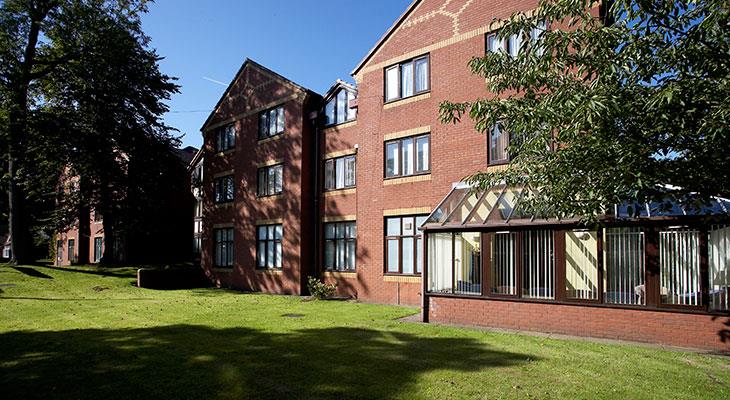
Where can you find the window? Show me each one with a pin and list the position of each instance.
(98, 247)
(270, 180)
(719, 260)
(403, 245)
(502, 266)
(498, 144)
(338, 109)
(59, 251)
(223, 189)
(271, 122)
(340, 240)
(581, 265)
(268, 246)
(407, 79)
(455, 263)
(624, 266)
(223, 247)
(6, 251)
(408, 156)
(225, 138)
(513, 44)
(339, 173)
(538, 264)
(679, 266)
(72, 250)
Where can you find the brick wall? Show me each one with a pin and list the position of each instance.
(668, 328)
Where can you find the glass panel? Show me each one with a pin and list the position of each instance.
(679, 261)
(408, 228)
(419, 255)
(393, 255)
(502, 264)
(270, 254)
(329, 112)
(329, 174)
(261, 255)
(340, 173)
(467, 263)
(538, 266)
(392, 166)
(419, 221)
(461, 212)
(270, 232)
(485, 206)
(279, 255)
(392, 91)
(340, 254)
(280, 120)
(422, 75)
(508, 201)
(351, 111)
(407, 79)
(341, 106)
(719, 259)
(229, 188)
(444, 209)
(351, 255)
(393, 226)
(422, 156)
(261, 233)
(514, 45)
(495, 45)
(278, 232)
(329, 231)
(350, 171)
(263, 125)
(329, 254)
(624, 263)
(272, 122)
(498, 143)
(440, 259)
(279, 183)
(408, 255)
(351, 230)
(407, 156)
(581, 265)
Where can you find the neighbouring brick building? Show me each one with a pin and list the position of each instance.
(362, 187)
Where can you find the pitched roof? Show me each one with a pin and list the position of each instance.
(385, 37)
(245, 64)
(337, 85)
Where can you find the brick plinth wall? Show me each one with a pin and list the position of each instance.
(667, 328)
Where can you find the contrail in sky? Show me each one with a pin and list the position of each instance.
(214, 81)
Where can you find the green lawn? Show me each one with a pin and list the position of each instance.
(84, 333)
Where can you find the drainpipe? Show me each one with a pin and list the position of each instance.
(314, 119)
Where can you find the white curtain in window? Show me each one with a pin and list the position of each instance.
(408, 255)
(467, 263)
(498, 143)
(679, 261)
(340, 173)
(329, 174)
(515, 44)
(422, 75)
(341, 106)
(351, 112)
(407, 80)
(350, 171)
(393, 255)
(538, 264)
(719, 260)
(280, 120)
(624, 263)
(407, 156)
(392, 164)
(391, 84)
(439, 263)
(422, 162)
(279, 171)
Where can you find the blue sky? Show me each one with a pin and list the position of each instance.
(310, 42)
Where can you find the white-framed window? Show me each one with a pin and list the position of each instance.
(269, 251)
(340, 245)
(339, 173)
(272, 122)
(408, 78)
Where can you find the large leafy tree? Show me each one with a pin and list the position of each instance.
(83, 93)
(630, 101)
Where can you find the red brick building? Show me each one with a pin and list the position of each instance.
(352, 187)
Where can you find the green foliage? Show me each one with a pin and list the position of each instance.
(628, 106)
(319, 289)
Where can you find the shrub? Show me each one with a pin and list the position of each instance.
(319, 289)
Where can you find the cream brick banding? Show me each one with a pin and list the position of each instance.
(270, 198)
(407, 132)
(224, 173)
(272, 139)
(271, 162)
(270, 221)
(340, 153)
(270, 271)
(339, 274)
(407, 100)
(337, 128)
(406, 211)
(341, 192)
(402, 279)
(407, 179)
(225, 225)
(340, 218)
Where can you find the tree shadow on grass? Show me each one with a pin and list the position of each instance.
(32, 272)
(187, 361)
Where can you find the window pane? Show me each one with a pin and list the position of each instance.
(329, 111)
(408, 255)
(329, 231)
(514, 44)
(329, 174)
(263, 125)
(280, 120)
(350, 255)
(340, 173)
(679, 262)
(538, 266)
(420, 220)
(581, 265)
(272, 122)
(351, 112)
(262, 182)
(279, 173)
(231, 136)
(270, 254)
(624, 263)
(392, 167)
(350, 171)
(440, 257)
(279, 255)
(407, 80)
(502, 264)
(261, 233)
(719, 259)
(422, 148)
(422, 75)
(467, 263)
(419, 255)
(230, 190)
(393, 226)
(340, 254)
(498, 142)
(271, 178)
(393, 255)
(351, 230)
(408, 226)
(391, 84)
(341, 106)
(278, 232)
(408, 156)
(329, 254)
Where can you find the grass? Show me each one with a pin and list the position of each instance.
(85, 333)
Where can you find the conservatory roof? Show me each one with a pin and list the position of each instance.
(503, 206)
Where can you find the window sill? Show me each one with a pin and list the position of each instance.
(271, 138)
(339, 192)
(407, 100)
(341, 274)
(222, 269)
(338, 127)
(223, 205)
(402, 278)
(407, 179)
(270, 198)
(498, 167)
(225, 152)
(270, 271)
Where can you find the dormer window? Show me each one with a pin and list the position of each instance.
(338, 110)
